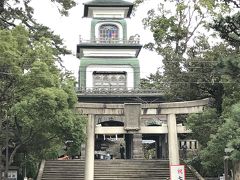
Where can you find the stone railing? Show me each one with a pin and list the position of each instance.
(133, 40)
(190, 144)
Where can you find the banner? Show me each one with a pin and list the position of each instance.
(177, 172)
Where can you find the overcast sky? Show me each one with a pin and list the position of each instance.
(69, 28)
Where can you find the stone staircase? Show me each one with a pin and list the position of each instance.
(110, 170)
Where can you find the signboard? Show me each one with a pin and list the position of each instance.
(177, 172)
(132, 113)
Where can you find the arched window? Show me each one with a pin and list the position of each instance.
(108, 32)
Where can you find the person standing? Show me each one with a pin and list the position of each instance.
(122, 151)
(184, 151)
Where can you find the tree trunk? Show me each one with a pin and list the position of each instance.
(2, 6)
(1, 141)
(7, 150)
(1, 161)
(236, 170)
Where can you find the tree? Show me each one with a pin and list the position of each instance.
(176, 33)
(228, 27)
(14, 12)
(234, 2)
(228, 133)
(195, 68)
(203, 70)
(27, 55)
(222, 127)
(204, 125)
(39, 98)
(227, 136)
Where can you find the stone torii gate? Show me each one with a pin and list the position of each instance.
(133, 114)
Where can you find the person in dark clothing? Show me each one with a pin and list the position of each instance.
(184, 151)
(122, 151)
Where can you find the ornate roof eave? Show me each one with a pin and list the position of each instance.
(140, 96)
(80, 46)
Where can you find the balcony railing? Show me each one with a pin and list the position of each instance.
(133, 40)
(108, 91)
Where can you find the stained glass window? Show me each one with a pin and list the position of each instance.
(108, 32)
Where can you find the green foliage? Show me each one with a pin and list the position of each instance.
(204, 65)
(220, 132)
(226, 136)
(233, 141)
(234, 2)
(173, 29)
(12, 10)
(154, 81)
(204, 125)
(228, 27)
(231, 75)
(65, 5)
(38, 97)
(13, 13)
(198, 66)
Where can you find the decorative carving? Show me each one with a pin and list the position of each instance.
(101, 118)
(109, 80)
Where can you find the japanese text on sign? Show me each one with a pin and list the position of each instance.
(177, 172)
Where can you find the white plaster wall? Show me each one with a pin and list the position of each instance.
(110, 68)
(109, 52)
(104, 12)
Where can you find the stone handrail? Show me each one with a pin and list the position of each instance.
(40, 172)
(194, 171)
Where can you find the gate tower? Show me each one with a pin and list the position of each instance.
(109, 67)
(109, 93)
(118, 111)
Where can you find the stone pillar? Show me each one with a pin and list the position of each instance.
(173, 140)
(226, 158)
(188, 144)
(128, 143)
(89, 159)
(164, 147)
(137, 147)
(83, 151)
(236, 169)
(158, 148)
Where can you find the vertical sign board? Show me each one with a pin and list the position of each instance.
(177, 172)
(132, 112)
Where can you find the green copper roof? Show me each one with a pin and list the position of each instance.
(109, 3)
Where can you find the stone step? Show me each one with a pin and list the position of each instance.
(110, 170)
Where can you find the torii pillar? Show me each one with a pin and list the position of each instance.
(173, 140)
(89, 153)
